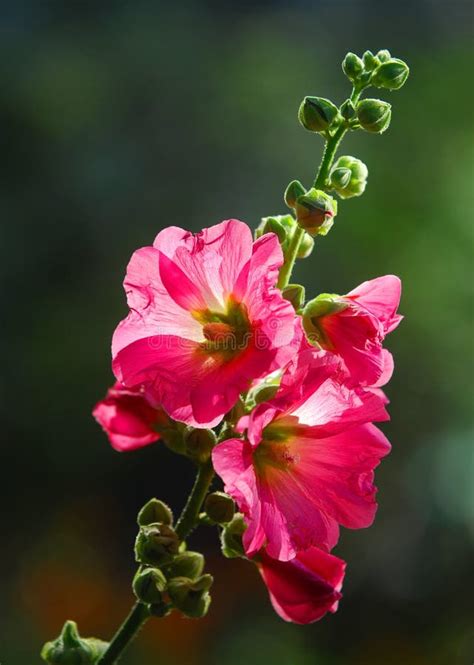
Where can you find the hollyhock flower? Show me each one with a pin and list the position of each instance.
(355, 325)
(205, 319)
(304, 589)
(307, 462)
(129, 418)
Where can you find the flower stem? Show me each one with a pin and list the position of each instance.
(190, 515)
(125, 634)
(290, 258)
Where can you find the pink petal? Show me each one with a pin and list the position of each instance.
(381, 297)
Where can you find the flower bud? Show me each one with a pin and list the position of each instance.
(293, 191)
(156, 544)
(160, 609)
(155, 511)
(374, 115)
(148, 585)
(72, 649)
(295, 294)
(231, 537)
(383, 55)
(220, 508)
(348, 177)
(186, 564)
(370, 61)
(316, 114)
(347, 110)
(306, 247)
(199, 443)
(352, 66)
(391, 74)
(315, 211)
(191, 597)
(322, 305)
(271, 225)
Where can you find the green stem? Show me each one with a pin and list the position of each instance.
(290, 258)
(190, 515)
(125, 634)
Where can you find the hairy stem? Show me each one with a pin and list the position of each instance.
(125, 634)
(290, 258)
(189, 516)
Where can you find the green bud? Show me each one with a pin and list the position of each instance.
(347, 110)
(323, 305)
(155, 511)
(352, 66)
(315, 212)
(293, 191)
(294, 293)
(370, 61)
(220, 508)
(265, 393)
(306, 247)
(348, 177)
(186, 564)
(374, 115)
(271, 225)
(316, 114)
(391, 74)
(148, 585)
(199, 443)
(72, 649)
(383, 55)
(191, 597)
(231, 537)
(156, 544)
(160, 609)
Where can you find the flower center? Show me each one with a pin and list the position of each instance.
(276, 449)
(226, 333)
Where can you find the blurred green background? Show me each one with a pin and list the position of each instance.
(119, 118)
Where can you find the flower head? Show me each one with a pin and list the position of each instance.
(205, 319)
(304, 589)
(307, 462)
(128, 417)
(354, 327)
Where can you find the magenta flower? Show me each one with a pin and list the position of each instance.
(307, 463)
(354, 327)
(304, 589)
(128, 417)
(205, 320)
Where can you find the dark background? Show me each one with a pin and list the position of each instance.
(119, 118)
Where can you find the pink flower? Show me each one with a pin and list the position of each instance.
(205, 320)
(128, 417)
(307, 462)
(354, 327)
(304, 589)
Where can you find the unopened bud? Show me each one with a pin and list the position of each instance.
(347, 110)
(352, 66)
(383, 55)
(348, 177)
(219, 507)
(316, 114)
(148, 585)
(391, 74)
(315, 212)
(191, 597)
(370, 61)
(156, 544)
(155, 511)
(186, 564)
(199, 443)
(231, 537)
(295, 294)
(374, 115)
(306, 247)
(293, 191)
(72, 649)
(271, 225)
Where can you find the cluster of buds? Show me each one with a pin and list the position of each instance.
(169, 576)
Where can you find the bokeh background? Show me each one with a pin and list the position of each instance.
(118, 118)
